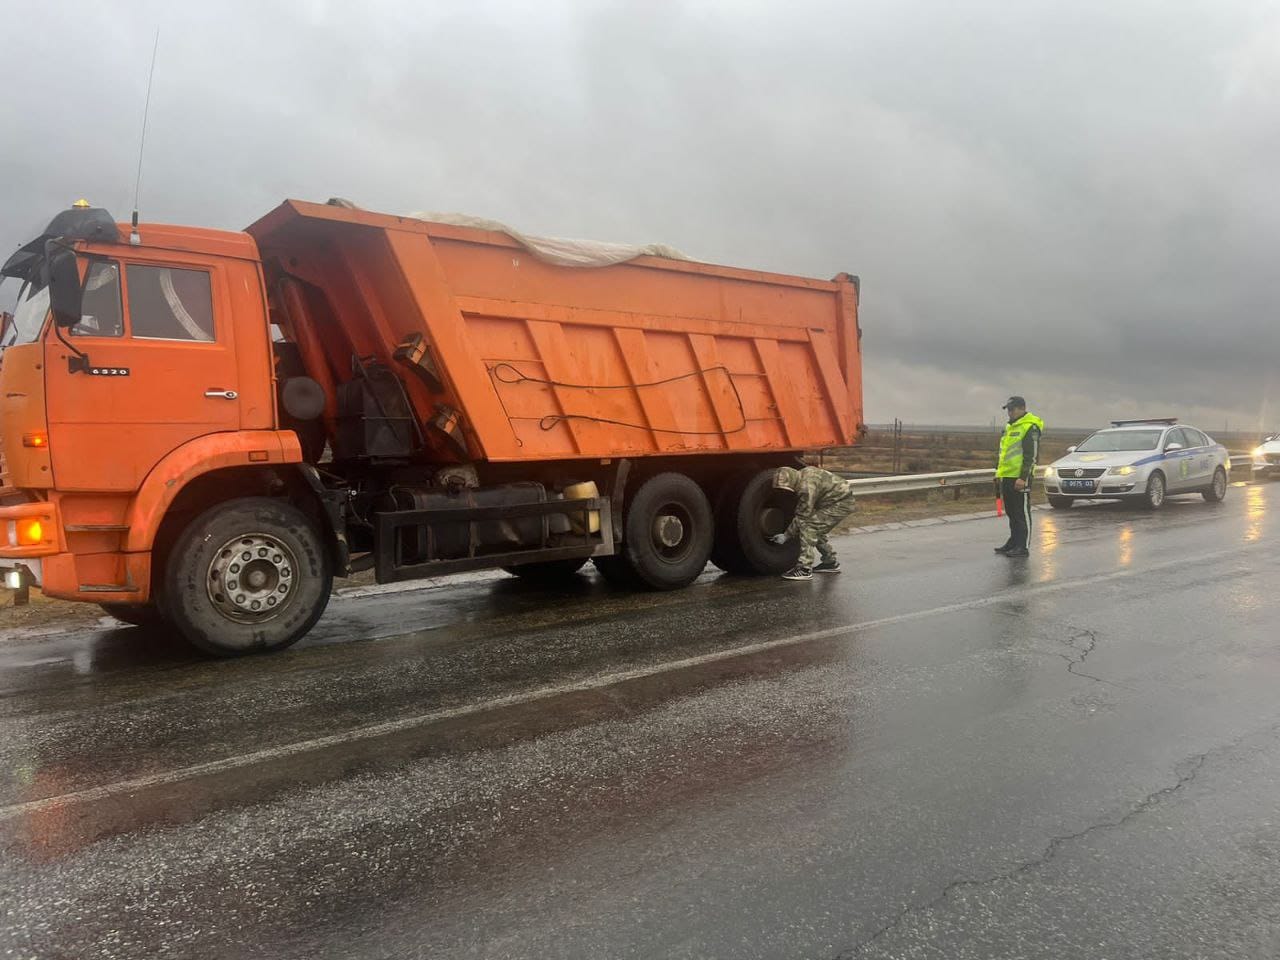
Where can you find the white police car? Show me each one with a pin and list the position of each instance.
(1266, 457)
(1146, 460)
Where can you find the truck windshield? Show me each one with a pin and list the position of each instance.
(1112, 441)
(28, 318)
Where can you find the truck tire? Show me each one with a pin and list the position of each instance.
(750, 511)
(549, 572)
(668, 532)
(247, 576)
(135, 614)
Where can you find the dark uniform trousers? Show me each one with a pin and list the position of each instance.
(1017, 505)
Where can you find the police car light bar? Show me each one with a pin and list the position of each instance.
(1128, 423)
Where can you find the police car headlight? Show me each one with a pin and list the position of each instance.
(1050, 473)
(1121, 471)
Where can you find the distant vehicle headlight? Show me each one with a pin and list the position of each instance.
(1258, 451)
(1121, 471)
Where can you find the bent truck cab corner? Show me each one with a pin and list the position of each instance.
(202, 428)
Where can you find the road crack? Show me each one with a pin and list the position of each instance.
(1185, 771)
(1082, 643)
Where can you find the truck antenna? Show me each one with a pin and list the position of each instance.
(142, 142)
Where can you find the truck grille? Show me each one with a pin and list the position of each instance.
(1080, 473)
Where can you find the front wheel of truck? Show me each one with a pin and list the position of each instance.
(247, 576)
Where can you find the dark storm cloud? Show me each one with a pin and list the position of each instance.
(1073, 201)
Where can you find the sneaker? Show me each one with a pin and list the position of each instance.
(798, 573)
(827, 566)
(1018, 552)
(1004, 548)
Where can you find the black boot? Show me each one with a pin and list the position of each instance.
(1005, 547)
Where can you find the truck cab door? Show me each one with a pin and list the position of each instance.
(161, 371)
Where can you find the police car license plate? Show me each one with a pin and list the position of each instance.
(1078, 485)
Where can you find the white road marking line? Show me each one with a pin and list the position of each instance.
(598, 682)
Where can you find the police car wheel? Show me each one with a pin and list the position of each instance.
(1218, 489)
(1154, 498)
(1061, 503)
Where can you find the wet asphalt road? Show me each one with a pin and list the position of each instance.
(940, 753)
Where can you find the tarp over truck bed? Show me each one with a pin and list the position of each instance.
(647, 357)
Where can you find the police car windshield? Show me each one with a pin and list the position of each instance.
(1113, 441)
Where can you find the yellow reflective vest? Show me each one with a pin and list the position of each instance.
(1010, 464)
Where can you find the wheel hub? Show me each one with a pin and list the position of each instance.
(773, 521)
(251, 578)
(668, 530)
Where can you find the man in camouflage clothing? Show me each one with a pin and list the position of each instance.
(822, 501)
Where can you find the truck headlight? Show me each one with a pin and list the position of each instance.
(1121, 471)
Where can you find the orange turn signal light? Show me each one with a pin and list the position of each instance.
(35, 440)
(30, 532)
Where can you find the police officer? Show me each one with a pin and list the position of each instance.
(822, 501)
(1019, 447)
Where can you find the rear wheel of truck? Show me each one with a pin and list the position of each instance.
(668, 532)
(750, 511)
(549, 572)
(247, 576)
(135, 614)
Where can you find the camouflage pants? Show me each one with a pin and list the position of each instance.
(812, 530)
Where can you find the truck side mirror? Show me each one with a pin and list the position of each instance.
(62, 272)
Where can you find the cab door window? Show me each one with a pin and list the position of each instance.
(100, 312)
(170, 303)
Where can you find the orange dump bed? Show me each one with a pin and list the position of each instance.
(542, 362)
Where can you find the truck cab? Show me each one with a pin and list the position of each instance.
(129, 369)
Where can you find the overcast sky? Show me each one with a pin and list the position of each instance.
(1077, 201)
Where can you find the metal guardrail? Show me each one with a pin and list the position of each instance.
(914, 482)
(910, 482)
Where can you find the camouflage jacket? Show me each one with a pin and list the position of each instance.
(816, 491)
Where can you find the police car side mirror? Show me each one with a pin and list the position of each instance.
(1174, 446)
(1071, 449)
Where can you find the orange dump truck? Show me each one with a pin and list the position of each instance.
(204, 428)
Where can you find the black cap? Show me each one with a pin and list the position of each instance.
(1015, 401)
